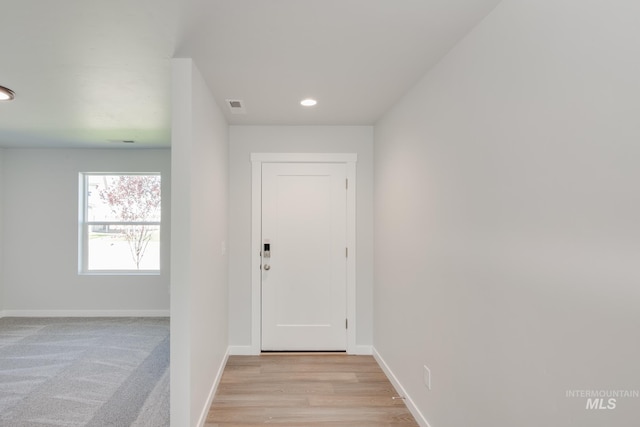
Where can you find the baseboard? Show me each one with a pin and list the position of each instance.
(85, 313)
(420, 419)
(241, 350)
(362, 350)
(214, 388)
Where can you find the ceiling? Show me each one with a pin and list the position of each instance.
(93, 73)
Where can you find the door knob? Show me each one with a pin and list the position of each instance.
(267, 267)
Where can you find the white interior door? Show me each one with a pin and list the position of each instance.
(304, 274)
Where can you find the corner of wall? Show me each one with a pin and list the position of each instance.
(1, 232)
(413, 408)
(199, 160)
(214, 388)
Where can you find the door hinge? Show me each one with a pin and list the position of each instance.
(346, 252)
(346, 323)
(346, 183)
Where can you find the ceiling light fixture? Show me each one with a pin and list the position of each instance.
(6, 94)
(308, 102)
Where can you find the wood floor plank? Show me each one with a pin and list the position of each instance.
(306, 390)
(269, 377)
(276, 388)
(304, 416)
(354, 401)
(257, 400)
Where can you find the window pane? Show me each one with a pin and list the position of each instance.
(124, 247)
(123, 198)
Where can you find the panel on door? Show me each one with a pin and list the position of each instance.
(304, 270)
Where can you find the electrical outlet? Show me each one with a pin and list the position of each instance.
(427, 377)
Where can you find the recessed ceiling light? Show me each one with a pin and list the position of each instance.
(6, 94)
(308, 102)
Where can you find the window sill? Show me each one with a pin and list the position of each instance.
(119, 273)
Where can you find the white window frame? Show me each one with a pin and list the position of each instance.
(84, 224)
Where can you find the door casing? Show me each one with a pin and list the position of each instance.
(257, 159)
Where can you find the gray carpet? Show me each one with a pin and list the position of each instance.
(84, 372)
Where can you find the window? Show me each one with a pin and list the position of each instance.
(120, 223)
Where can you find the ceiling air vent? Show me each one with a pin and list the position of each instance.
(236, 106)
(121, 141)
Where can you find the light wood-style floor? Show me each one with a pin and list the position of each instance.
(306, 390)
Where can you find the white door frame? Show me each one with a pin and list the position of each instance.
(257, 159)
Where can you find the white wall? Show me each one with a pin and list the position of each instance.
(199, 316)
(40, 241)
(245, 140)
(1, 230)
(507, 206)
